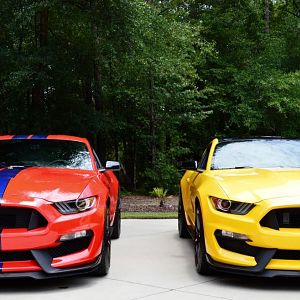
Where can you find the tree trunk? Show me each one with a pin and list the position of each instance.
(21, 39)
(43, 18)
(152, 121)
(41, 38)
(88, 91)
(134, 163)
(97, 89)
(267, 16)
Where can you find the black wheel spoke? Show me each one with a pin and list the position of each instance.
(200, 250)
(104, 265)
(182, 225)
(116, 230)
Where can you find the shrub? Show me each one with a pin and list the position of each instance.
(159, 192)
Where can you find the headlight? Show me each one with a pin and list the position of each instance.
(231, 207)
(75, 206)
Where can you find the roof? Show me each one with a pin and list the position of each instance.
(43, 136)
(253, 138)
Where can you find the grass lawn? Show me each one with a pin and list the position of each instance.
(149, 215)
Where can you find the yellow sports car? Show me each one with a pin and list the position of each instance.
(241, 205)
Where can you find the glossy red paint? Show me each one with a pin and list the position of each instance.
(20, 266)
(38, 189)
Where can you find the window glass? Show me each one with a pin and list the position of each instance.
(257, 153)
(45, 153)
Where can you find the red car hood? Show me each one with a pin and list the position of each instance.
(46, 183)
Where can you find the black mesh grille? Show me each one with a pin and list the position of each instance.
(13, 217)
(287, 254)
(70, 247)
(16, 256)
(282, 218)
(288, 218)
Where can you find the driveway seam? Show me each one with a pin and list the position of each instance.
(154, 294)
(167, 290)
(183, 292)
(194, 284)
(139, 283)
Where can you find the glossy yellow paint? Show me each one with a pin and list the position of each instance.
(267, 189)
(277, 264)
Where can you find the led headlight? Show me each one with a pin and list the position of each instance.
(232, 207)
(75, 206)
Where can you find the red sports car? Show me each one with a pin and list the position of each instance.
(59, 207)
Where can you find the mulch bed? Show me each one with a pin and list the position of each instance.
(136, 203)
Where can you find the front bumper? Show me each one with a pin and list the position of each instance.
(271, 252)
(52, 272)
(250, 271)
(37, 252)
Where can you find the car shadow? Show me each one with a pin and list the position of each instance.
(46, 285)
(266, 284)
(248, 282)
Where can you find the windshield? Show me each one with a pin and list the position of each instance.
(258, 153)
(45, 153)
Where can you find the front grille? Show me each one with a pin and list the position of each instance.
(17, 217)
(16, 256)
(282, 218)
(287, 254)
(288, 218)
(70, 247)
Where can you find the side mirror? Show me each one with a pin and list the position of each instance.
(113, 165)
(190, 165)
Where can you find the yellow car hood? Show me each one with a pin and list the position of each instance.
(254, 185)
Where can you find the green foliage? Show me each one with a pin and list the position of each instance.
(149, 215)
(150, 82)
(250, 83)
(159, 192)
(163, 173)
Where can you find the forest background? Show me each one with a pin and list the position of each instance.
(149, 83)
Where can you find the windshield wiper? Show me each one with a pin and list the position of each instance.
(232, 168)
(243, 167)
(20, 164)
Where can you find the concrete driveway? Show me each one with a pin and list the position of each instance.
(150, 261)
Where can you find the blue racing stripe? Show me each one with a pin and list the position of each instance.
(5, 176)
(1, 262)
(39, 136)
(20, 137)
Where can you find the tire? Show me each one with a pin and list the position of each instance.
(182, 225)
(116, 228)
(103, 268)
(201, 263)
